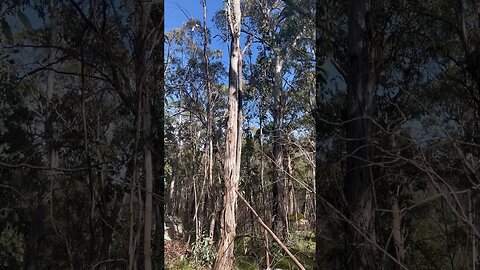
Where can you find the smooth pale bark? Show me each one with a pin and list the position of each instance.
(173, 194)
(171, 197)
(358, 184)
(225, 255)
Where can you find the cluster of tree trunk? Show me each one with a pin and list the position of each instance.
(372, 141)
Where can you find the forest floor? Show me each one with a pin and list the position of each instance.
(249, 253)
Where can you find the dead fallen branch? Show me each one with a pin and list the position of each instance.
(271, 233)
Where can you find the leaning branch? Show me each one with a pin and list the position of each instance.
(24, 165)
(271, 233)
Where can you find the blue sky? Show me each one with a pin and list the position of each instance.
(179, 11)
(175, 17)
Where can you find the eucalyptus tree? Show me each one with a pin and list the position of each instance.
(455, 45)
(81, 136)
(286, 39)
(413, 71)
(233, 144)
(193, 75)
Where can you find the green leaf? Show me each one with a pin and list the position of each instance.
(25, 21)
(6, 30)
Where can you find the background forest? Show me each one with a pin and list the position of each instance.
(255, 134)
(80, 82)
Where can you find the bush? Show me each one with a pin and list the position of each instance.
(203, 250)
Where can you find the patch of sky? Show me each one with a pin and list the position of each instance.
(335, 82)
(430, 128)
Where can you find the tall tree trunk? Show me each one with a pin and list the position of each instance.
(358, 184)
(209, 98)
(208, 205)
(51, 147)
(320, 84)
(90, 175)
(291, 210)
(249, 183)
(158, 96)
(225, 256)
(147, 242)
(278, 187)
(262, 182)
(262, 161)
(146, 132)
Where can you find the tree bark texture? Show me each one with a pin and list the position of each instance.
(225, 256)
(320, 83)
(358, 185)
(144, 96)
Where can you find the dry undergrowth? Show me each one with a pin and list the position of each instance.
(175, 250)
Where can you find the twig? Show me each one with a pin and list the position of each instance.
(271, 233)
(24, 165)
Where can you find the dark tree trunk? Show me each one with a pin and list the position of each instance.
(397, 233)
(358, 184)
(158, 157)
(320, 83)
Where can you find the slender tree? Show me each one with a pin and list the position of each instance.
(225, 256)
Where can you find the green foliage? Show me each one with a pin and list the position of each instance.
(203, 250)
(245, 263)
